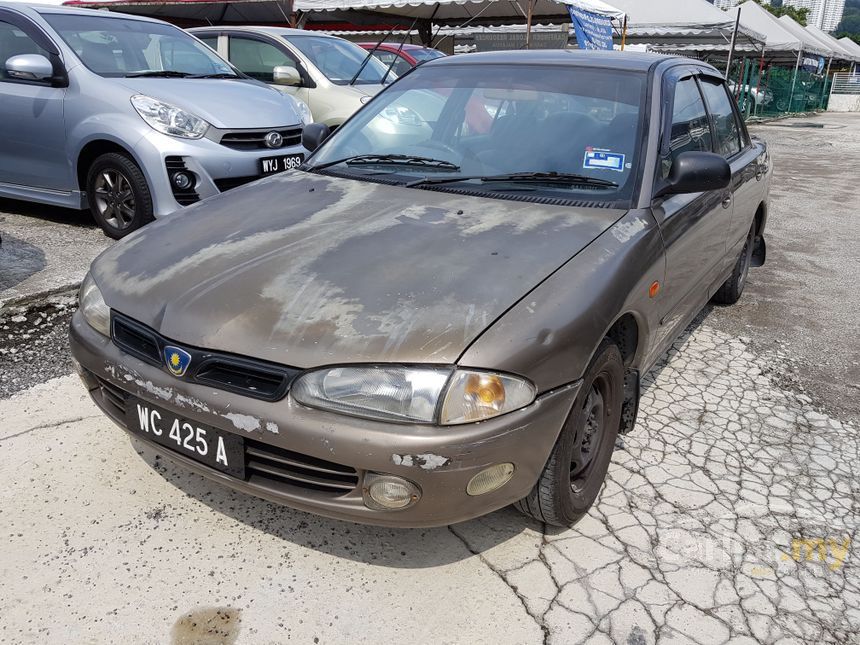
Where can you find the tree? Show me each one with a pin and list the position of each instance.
(850, 24)
(800, 15)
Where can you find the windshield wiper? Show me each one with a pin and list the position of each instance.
(218, 75)
(400, 160)
(158, 73)
(568, 179)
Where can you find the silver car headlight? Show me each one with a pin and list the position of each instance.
(304, 111)
(169, 119)
(413, 394)
(93, 307)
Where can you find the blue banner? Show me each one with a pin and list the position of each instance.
(593, 31)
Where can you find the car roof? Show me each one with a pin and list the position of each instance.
(272, 31)
(72, 11)
(633, 61)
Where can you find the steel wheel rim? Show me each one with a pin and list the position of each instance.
(114, 199)
(590, 439)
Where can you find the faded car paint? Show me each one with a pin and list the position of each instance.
(341, 275)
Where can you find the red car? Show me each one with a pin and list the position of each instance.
(405, 57)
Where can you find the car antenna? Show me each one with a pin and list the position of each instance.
(369, 54)
(399, 49)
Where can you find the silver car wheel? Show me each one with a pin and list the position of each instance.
(115, 198)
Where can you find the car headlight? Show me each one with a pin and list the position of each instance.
(304, 111)
(413, 394)
(169, 119)
(401, 115)
(93, 307)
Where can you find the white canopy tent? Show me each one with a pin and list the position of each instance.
(693, 25)
(840, 51)
(811, 43)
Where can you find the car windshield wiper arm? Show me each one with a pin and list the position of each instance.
(218, 75)
(162, 73)
(402, 160)
(524, 177)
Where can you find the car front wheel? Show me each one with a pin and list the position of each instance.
(573, 476)
(118, 195)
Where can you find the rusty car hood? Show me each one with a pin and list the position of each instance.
(305, 269)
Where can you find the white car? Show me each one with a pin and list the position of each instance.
(333, 76)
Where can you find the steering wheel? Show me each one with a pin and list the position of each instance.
(432, 144)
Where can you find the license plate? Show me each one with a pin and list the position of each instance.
(222, 451)
(273, 165)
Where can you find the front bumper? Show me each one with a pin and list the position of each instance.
(215, 167)
(524, 438)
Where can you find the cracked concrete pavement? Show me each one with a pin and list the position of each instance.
(730, 516)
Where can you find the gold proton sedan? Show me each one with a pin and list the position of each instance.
(422, 326)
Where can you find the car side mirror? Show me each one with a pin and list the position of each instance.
(314, 134)
(696, 172)
(30, 67)
(284, 75)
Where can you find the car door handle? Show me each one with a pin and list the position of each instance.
(727, 200)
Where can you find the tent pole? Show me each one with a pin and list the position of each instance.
(826, 76)
(734, 40)
(758, 82)
(794, 79)
(529, 25)
(624, 33)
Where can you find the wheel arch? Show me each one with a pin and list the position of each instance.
(92, 150)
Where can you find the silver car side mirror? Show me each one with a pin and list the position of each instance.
(30, 67)
(283, 75)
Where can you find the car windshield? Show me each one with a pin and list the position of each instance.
(523, 129)
(113, 47)
(424, 53)
(339, 60)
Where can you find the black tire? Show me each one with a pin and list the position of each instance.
(730, 291)
(576, 469)
(118, 195)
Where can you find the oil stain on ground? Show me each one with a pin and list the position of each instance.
(207, 626)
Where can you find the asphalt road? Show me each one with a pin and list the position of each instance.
(731, 513)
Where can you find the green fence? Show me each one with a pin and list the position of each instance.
(773, 90)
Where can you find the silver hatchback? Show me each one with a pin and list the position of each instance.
(131, 117)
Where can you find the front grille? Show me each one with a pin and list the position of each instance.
(246, 376)
(113, 398)
(234, 182)
(275, 465)
(256, 139)
(183, 196)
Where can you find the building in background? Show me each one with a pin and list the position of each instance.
(824, 14)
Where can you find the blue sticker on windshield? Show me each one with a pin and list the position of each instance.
(603, 159)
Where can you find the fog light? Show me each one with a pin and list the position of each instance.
(490, 479)
(182, 180)
(388, 492)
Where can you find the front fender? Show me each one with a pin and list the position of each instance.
(550, 335)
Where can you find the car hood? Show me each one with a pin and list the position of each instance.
(306, 270)
(222, 102)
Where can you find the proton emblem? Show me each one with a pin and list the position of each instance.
(177, 360)
(274, 140)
